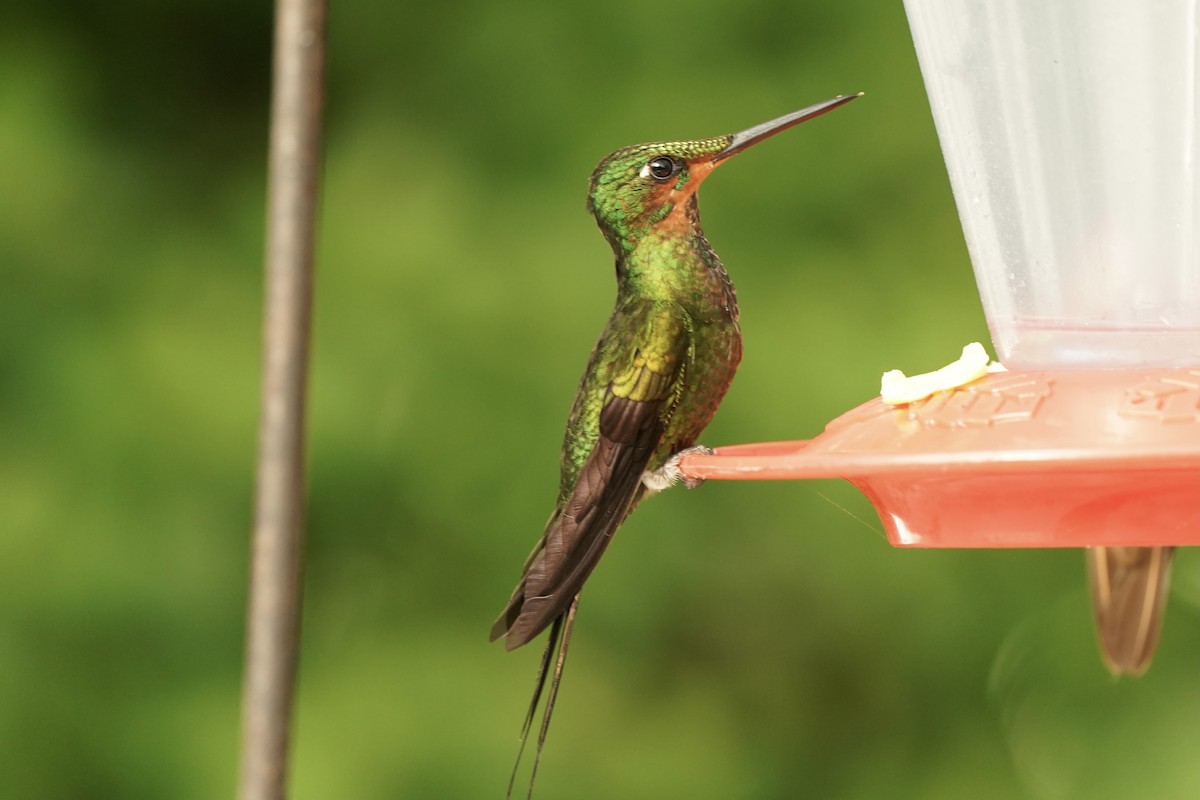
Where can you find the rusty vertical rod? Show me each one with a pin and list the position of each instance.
(273, 616)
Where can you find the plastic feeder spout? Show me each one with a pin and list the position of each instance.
(1017, 459)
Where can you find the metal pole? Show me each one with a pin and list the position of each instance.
(275, 587)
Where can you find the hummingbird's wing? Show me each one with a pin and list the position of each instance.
(648, 357)
(1129, 591)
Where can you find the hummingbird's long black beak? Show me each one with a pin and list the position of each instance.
(740, 141)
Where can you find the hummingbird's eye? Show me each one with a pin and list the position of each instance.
(661, 168)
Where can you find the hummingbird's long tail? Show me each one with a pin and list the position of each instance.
(556, 653)
(1129, 591)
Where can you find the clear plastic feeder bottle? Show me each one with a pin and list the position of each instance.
(1070, 131)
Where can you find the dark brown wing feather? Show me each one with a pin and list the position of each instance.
(609, 484)
(581, 529)
(1129, 591)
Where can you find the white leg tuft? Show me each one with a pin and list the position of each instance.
(669, 474)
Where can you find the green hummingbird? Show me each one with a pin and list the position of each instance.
(655, 377)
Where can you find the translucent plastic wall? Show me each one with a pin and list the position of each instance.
(1069, 129)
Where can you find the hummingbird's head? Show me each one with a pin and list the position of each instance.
(637, 188)
(650, 186)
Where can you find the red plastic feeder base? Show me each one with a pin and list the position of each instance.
(1015, 459)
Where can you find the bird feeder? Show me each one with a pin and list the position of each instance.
(1071, 133)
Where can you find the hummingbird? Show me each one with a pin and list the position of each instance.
(1129, 593)
(655, 377)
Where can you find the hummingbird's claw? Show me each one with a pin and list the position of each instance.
(669, 473)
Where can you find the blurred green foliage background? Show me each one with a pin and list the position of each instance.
(743, 640)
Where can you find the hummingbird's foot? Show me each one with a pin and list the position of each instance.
(669, 473)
